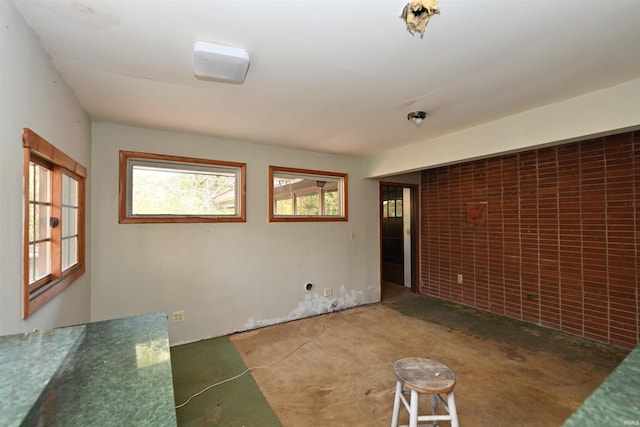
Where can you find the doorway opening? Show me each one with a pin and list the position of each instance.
(398, 238)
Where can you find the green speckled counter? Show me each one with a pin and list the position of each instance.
(110, 373)
(40, 354)
(616, 402)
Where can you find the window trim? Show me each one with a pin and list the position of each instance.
(313, 174)
(38, 150)
(123, 218)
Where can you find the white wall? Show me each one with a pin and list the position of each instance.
(228, 276)
(606, 111)
(32, 94)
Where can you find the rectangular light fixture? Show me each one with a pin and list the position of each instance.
(220, 63)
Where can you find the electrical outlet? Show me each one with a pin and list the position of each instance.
(459, 279)
(327, 292)
(178, 316)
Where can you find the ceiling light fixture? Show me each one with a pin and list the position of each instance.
(417, 117)
(221, 63)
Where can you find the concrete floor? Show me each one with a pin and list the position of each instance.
(336, 369)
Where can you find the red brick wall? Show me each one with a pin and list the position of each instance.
(561, 240)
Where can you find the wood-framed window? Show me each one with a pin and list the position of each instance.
(307, 195)
(54, 221)
(158, 188)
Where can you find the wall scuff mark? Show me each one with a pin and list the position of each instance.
(311, 306)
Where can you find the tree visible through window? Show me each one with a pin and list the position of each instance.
(54, 226)
(306, 195)
(159, 188)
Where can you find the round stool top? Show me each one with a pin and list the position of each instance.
(424, 375)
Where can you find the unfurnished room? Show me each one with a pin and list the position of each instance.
(309, 213)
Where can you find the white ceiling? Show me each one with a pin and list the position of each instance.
(334, 76)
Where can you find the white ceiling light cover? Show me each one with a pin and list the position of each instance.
(222, 63)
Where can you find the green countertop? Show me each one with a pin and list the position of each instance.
(110, 373)
(616, 402)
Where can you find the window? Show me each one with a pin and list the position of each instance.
(160, 188)
(54, 223)
(392, 202)
(307, 195)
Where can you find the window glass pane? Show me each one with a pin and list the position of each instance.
(69, 237)
(39, 183)
(69, 252)
(69, 222)
(307, 204)
(284, 206)
(331, 202)
(39, 260)
(301, 194)
(69, 206)
(39, 214)
(69, 191)
(392, 208)
(175, 189)
(398, 213)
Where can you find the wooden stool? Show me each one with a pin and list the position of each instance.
(417, 375)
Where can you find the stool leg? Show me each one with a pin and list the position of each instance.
(451, 403)
(413, 414)
(396, 404)
(434, 407)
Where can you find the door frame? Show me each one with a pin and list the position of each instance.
(415, 232)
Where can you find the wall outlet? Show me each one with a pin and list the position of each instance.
(327, 292)
(459, 279)
(178, 316)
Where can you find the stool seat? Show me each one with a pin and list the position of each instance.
(424, 375)
(416, 376)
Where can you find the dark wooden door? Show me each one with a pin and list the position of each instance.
(392, 234)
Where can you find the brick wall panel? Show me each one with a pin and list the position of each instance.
(563, 228)
(635, 138)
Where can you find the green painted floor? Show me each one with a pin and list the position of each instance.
(235, 403)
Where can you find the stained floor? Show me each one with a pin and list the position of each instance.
(336, 369)
(213, 389)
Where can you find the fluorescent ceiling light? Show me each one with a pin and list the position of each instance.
(221, 63)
